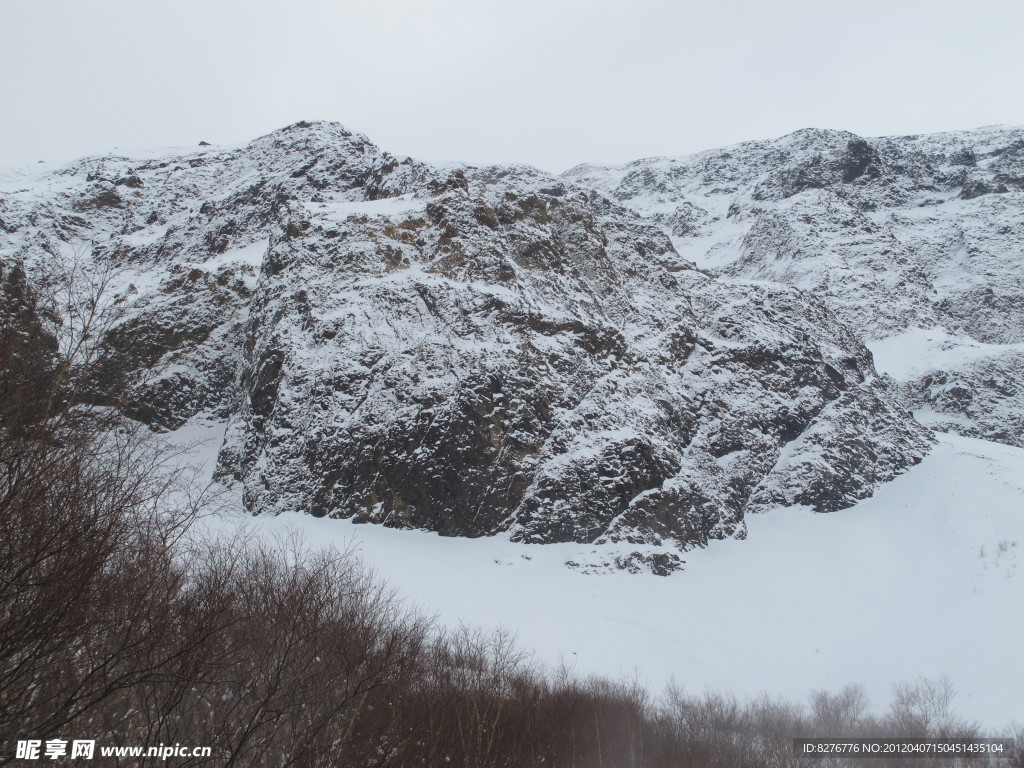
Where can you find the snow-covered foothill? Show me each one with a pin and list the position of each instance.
(924, 579)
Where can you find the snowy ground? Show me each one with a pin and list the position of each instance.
(915, 352)
(923, 579)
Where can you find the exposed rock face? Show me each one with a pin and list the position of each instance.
(978, 398)
(466, 350)
(896, 234)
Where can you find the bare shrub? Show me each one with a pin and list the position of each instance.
(838, 713)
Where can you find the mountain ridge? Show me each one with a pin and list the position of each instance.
(483, 350)
(898, 233)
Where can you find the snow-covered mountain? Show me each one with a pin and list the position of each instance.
(915, 242)
(481, 350)
(600, 369)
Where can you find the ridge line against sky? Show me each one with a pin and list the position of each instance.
(552, 83)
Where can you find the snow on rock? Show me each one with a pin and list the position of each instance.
(957, 384)
(894, 233)
(467, 350)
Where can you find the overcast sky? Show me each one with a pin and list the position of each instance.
(550, 83)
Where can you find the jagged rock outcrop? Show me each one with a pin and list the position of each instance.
(973, 399)
(466, 350)
(896, 234)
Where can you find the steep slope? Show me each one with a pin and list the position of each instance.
(804, 604)
(182, 236)
(897, 234)
(466, 350)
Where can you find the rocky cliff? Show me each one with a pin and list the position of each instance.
(477, 350)
(897, 235)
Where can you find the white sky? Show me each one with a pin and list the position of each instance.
(550, 83)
